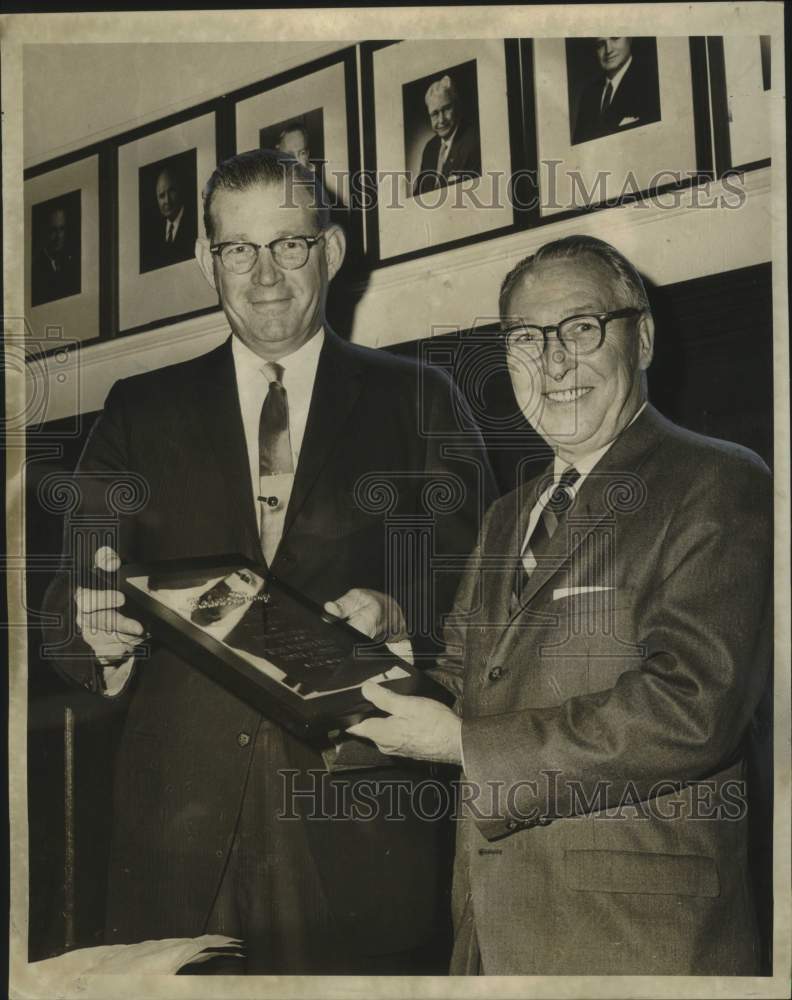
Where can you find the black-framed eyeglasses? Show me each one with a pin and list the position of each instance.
(288, 252)
(581, 334)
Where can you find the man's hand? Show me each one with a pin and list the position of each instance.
(418, 727)
(374, 614)
(111, 636)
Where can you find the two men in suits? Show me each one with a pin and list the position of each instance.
(625, 95)
(207, 791)
(454, 152)
(609, 646)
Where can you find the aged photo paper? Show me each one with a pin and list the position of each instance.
(451, 143)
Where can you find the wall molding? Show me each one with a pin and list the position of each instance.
(454, 289)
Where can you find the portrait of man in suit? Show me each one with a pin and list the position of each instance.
(205, 835)
(613, 85)
(301, 137)
(55, 265)
(168, 223)
(609, 648)
(454, 151)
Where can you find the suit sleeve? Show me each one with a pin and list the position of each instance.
(104, 461)
(680, 717)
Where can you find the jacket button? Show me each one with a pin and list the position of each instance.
(243, 739)
(496, 673)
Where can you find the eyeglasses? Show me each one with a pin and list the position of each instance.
(289, 252)
(582, 334)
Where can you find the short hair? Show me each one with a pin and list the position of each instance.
(292, 127)
(442, 86)
(626, 278)
(267, 168)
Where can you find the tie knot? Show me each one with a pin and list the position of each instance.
(273, 372)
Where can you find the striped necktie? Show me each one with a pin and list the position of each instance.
(275, 454)
(607, 97)
(558, 503)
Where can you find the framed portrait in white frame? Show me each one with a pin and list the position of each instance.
(160, 177)
(311, 112)
(650, 146)
(62, 252)
(438, 178)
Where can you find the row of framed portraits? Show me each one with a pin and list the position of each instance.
(462, 140)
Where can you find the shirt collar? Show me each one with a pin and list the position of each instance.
(585, 464)
(175, 222)
(616, 79)
(297, 365)
(447, 142)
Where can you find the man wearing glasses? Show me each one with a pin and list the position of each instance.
(260, 447)
(609, 647)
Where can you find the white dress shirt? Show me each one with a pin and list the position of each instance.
(299, 375)
(172, 226)
(584, 465)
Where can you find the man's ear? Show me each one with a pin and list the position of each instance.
(334, 250)
(205, 260)
(645, 340)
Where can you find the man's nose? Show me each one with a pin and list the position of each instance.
(558, 359)
(266, 271)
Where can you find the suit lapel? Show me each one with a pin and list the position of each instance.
(336, 389)
(616, 475)
(216, 404)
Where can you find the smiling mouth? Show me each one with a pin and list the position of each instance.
(567, 395)
(264, 304)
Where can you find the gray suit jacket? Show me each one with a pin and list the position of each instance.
(603, 722)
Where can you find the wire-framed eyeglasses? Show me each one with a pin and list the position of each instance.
(288, 252)
(581, 334)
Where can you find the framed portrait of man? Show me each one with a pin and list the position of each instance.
(442, 143)
(301, 136)
(62, 252)
(159, 211)
(439, 143)
(55, 249)
(613, 86)
(167, 193)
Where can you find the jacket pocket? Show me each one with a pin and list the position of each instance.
(635, 872)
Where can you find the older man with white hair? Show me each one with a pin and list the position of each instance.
(454, 151)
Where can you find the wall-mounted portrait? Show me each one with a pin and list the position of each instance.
(167, 194)
(438, 142)
(161, 171)
(613, 86)
(442, 143)
(55, 249)
(62, 257)
(302, 136)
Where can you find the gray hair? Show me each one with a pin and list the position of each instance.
(267, 168)
(626, 279)
(445, 85)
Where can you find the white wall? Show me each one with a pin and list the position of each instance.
(114, 87)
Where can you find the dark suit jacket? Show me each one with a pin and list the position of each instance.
(635, 103)
(464, 160)
(638, 659)
(156, 251)
(181, 773)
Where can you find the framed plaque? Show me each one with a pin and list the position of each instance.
(266, 643)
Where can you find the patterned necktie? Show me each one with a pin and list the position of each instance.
(275, 454)
(607, 97)
(558, 503)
